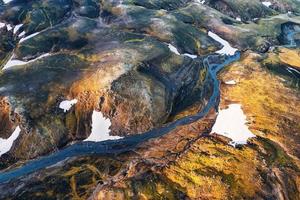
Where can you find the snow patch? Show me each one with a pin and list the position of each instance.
(227, 48)
(67, 105)
(100, 128)
(28, 37)
(231, 123)
(17, 27)
(6, 144)
(266, 3)
(173, 49)
(13, 62)
(2, 25)
(231, 82)
(190, 55)
(9, 27)
(199, 1)
(22, 34)
(7, 1)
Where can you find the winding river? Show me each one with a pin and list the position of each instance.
(110, 147)
(124, 144)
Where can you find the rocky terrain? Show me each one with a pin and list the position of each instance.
(163, 73)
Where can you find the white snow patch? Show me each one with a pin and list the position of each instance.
(13, 62)
(28, 37)
(7, 1)
(227, 48)
(6, 144)
(2, 25)
(190, 55)
(173, 49)
(199, 1)
(22, 34)
(238, 19)
(9, 27)
(231, 82)
(17, 27)
(266, 3)
(67, 105)
(100, 128)
(231, 122)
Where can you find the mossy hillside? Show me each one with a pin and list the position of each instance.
(7, 44)
(123, 58)
(74, 179)
(284, 62)
(156, 4)
(246, 10)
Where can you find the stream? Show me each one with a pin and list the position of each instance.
(110, 147)
(125, 144)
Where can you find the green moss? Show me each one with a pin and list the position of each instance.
(276, 156)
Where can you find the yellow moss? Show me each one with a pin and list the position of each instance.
(215, 171)
(72, 171)
(290, 57)
(160, 188)
(50, 193)
(264, 98)
(192, 110)
(74, 187)
(94, 170)
(135, 40)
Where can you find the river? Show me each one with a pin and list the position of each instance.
(125, 144)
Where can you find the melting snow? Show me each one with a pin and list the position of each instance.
(17, 27)
(231, 122)
(7, 1)
(227, 49)
(190, 55)
(231, 82)
(2, 25)
(173, 49)
(9, 27)
(67, 105)
(100, 129)
(267, 3)
(6, 144)
(27, 37)
(198, 1)
(22, 34)
(13, 62)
